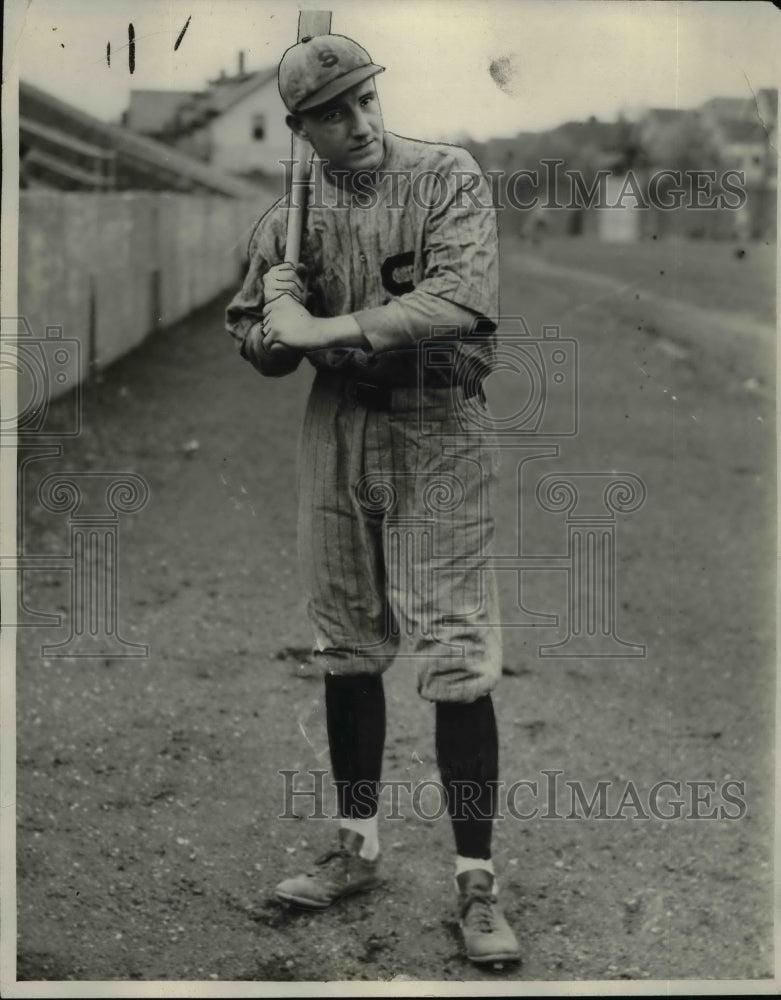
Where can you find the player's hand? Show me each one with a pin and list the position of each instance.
(286, 321)
(284, 279)
(269, 358)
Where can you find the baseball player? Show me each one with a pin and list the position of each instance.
(399, 246)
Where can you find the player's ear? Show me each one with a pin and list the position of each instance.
(296, 124)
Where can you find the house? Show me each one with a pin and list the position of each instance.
(656, 123)
(767, 112)
(236, 124)
(64, 148)
(744, 147)
(743, 130)
(767, 107)
(602, 145)
(151, 111)
(746, 134)
(727, 109)
(722, 134)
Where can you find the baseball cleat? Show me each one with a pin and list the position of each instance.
(487, 935)
(340, 873)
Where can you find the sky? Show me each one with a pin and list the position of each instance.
(557, 60)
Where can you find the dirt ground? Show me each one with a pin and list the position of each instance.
(148, 788)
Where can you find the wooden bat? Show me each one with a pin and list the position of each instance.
(310, 23)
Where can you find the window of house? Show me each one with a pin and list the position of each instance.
(258, 127)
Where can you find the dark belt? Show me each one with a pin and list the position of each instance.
(380, 397)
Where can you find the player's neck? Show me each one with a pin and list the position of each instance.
(347, 180)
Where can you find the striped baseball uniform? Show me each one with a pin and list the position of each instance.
(395, 478)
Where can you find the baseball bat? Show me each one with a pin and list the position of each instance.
(310, 24)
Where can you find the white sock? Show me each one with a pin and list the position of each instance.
(369, 831)
(469, 864)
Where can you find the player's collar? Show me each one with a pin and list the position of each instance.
(342, 181)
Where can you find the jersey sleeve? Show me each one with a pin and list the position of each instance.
(461, 262)
(246, 307)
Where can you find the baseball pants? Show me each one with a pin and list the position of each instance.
(395, 528)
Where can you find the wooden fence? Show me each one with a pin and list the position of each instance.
(109, 269)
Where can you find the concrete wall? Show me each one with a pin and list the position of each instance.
(111, 268)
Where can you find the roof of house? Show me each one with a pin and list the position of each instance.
(159, 165)
(730, 107)
(230, 92)
(738, 130)
(183, 111)
(603, 135)
(666, 115)
(150, 111)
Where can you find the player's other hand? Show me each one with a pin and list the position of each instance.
(269, 358)
(284, 279)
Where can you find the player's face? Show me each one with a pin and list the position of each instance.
(347, 131)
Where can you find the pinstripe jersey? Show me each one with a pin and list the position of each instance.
(410, 246)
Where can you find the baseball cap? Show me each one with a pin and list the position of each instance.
(317, 69)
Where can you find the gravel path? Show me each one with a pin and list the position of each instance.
(148, 788)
